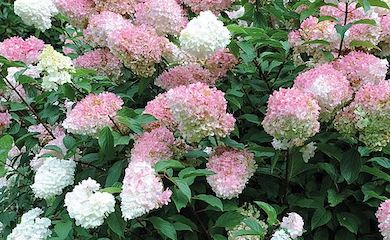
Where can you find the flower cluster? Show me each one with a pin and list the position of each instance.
(18, 49)
(292, 117)
(165, 16)
(139, 47)
(55, 67)
(383, 216)
(16, 90)
(361, 68)
(159, 108)
(200, 111)
(5, 120)
(328, 86)
(78, 11)
(153, 146)
(101, 25)
(184, 75)
(93, 113)
(204, 35)
(87, 205)
(315, 36)
(142, 191)
(232, 169)
(123, 7)
(368, 115)
(43, 135)
(31, 226)
(52, 177)
(204, 5)
(101, 60)
(291, 227)
(36, 12)
(221, 62)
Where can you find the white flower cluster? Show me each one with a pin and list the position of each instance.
(36, 12)
(308, 151)
(88, 206)
(56, 67)
(204, 35)
(52, 177)
(143, 191)
(31, 227)
(290, 228)
(280, 235)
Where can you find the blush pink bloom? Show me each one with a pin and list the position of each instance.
(293, 224)
(101, 25)
(17, 49)
(122, 7)
(43, 135)
(159, 108)
(221, 62)
(101, 60)
(184, 75)
(78, 11)
(368, 116)
(292, 117)
(204, 5)
(153, 146)
(5, 120)
(93, 113)
(200, 111)
(232, 169)
(383, 216)
(328, 86)
(361, 68)
(143, 191)
(165, 16)
(139, 48)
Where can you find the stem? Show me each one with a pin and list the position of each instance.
(144, 226)
(116, 126)
(28, 106)
(287, 177)
(90, 165)
(206, 232)
(345, 23)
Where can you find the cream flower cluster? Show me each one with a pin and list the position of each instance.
(31, 227)
(52, 177)
(204, 35)
(56, 68)
(87, 205)
(36, 12)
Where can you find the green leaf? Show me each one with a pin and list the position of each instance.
(116, 224)
(350, 165)
(183, 187)
(335, 198)
(106, 141)
(114, 173)
(349, 221)
(62, 229)
(6, 143)
(164, 227)
(229, 219)
(165, 164)
(196, 154)
(270, 211)
(365, 21)
(111, 190)
(320, 217)
(382, 161)
(179, 199)
(319, 42)
(364, 44)
(212, 200)
(342, 29)
(251, 118)
(376, 172)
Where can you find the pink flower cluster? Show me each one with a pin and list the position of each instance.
(328, 86)
(122, 7)
(165, 16)
(139, 47)
(232, 169)
(43, 135)
(200, 111)
(93, 113)
(101, 60)
(292, 117)
(204, 5)
(142, 191)
(153, 146)
(159, 109)
(78, 11)
(5, 120)
(312, 29)
(361, 68)
(185, 75)
(101, 25)
(383, 216)
(368, 115)
(17, 49)
(221, 62)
